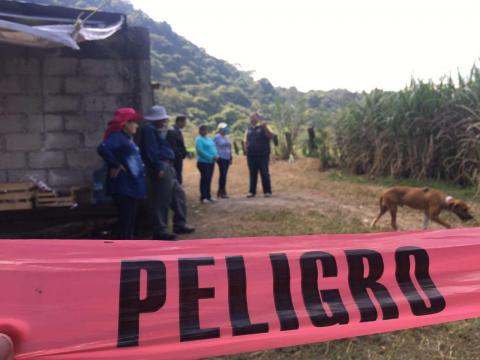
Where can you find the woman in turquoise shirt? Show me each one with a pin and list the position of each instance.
(206, 151)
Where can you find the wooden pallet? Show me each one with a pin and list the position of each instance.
(48, 199)
(16, 196)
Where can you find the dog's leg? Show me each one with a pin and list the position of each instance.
(426, 221)
(393, 215)
(441, 222)
(433, 214)
(374, 221)
(383, 210)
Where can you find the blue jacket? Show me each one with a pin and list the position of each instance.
(155, 147)
(206, 149)
(119, 149)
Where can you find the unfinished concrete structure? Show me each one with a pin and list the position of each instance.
(55, 103)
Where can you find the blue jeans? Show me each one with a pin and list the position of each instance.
(223, 166)
(206, 175)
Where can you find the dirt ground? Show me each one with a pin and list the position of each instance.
(305, 201)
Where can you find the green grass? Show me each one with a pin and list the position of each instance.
(459, 340)
(468, 192)
(289, 222)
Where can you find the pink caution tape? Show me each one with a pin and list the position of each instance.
(194, 299)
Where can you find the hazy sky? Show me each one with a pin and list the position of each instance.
(325, 44)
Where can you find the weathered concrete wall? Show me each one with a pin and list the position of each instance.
(55, 104)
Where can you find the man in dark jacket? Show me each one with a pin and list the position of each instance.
(162, 186)
(257, 148)
(175, 138)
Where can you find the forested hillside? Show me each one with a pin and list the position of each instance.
(210, 89)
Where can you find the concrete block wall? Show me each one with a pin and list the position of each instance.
(55, 104)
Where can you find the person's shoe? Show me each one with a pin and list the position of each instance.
(205, 201)
(225, 196)
(250, 195)
(185, 229)
(164, 236)
(267, 195)
(211, 201)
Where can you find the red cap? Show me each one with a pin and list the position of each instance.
(120, 118)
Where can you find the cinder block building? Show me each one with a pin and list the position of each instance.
(55, 102)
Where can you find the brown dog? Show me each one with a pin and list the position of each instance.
(431, 201)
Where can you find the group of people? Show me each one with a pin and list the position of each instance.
(149, 165)
(219, 149)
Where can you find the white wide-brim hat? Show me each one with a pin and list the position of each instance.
(222, 126)
(157, 113)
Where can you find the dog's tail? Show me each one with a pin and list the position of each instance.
(381, 203)
(383, 210)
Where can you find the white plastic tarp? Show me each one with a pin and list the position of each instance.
(53, 35)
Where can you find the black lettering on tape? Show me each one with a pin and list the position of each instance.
(282, 293)
(422, 264)
(190, 294)
(313, 298)
(359, 285)
(131, 306)
(237, 299)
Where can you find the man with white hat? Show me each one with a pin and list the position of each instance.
(164, 191)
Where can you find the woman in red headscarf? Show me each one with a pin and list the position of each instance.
(126, 180)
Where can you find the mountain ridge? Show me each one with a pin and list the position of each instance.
(205, 87)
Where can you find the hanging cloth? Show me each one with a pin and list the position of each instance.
(48, 36)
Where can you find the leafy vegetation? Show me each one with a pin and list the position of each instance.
(426, 130)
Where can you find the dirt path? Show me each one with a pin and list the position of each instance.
(305, 201)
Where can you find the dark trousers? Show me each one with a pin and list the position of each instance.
(206, 175)
(164, 194)
(126, 209)
(259, 164)
(223, 166)
(178, 165)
